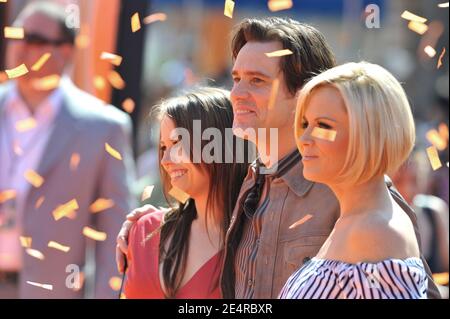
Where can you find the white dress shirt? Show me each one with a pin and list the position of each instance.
(20, 152)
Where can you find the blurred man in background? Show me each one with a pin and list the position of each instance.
(53, 151)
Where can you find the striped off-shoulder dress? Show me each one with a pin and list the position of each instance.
(330, 279)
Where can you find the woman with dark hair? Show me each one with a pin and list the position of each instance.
(178, 253)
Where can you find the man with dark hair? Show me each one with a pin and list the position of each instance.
(280, 219)
(56, 168)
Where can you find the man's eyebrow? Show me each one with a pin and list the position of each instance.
(251, 73)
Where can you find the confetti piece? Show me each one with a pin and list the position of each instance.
(25, 241)
(179, 195)
(4, 1)
(116, 80)
(17, 149)
(122, 296)
(329, 135)
(430, 51)
(147, 193)
(47, 83)
(65, 210)
(111, 151)
(74, 161)
(25, 125)
(112, 58)
(418, 27)
(273, 93)
(412, 17)
(13, 33)
(278, 53)
(35, 253)
(115, 283)
(99, 82)
(443, 5)
(101, 204)
(7, 195)
(443, 131)
(433, 156)
(228, 9)
(44, 286)
(278, 5)
(441, 278)
(40, 63)
(17, 72)
(135, 22)
(439, 63)
(34, 178)
(155, 17)
(301, 221)
(436, 139)
(93, 234)
(39, 202)
(128, 105)
(58, 246)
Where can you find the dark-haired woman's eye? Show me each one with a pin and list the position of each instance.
(304, 125)
(257, 81)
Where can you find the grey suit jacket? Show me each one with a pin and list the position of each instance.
(83, 125)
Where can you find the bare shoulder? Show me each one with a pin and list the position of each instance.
(377, 236)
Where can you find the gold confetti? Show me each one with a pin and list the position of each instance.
(135, 22)
(441, 278)
(443, 131)
(34, 178)
(412, 17)
(179, 195)
(25, 125)
(443, 5)
(116, 80)
(101, 204)
(155, 17)
(228, 9)
(35, 253)
(433, 156)
(128, 105)
(47, 83)
(40, 63)
(147, 193)
(111, 151)
(122, 296)
(39, 202)
(278, 53)
(25, 241)
(418, 27)
(439, 63)
(74, 161)
(7, 195)
(65, 210)
(58, 246)
(115, 283)
(112, 58)
(13, 33)
(4, 1)
(99, 82)
(278, 5)
(273, 93)
(93, 234)
(329, 135)
(430, 51)
(44, 286)
(82, 41)
(435, 138)
(17, 72)
(301, 221)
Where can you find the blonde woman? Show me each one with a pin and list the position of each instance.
(354, 125)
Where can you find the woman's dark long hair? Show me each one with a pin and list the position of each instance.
(213, 108)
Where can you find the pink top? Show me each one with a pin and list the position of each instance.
(142, 276)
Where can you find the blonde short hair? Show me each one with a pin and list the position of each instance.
(381, 125)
